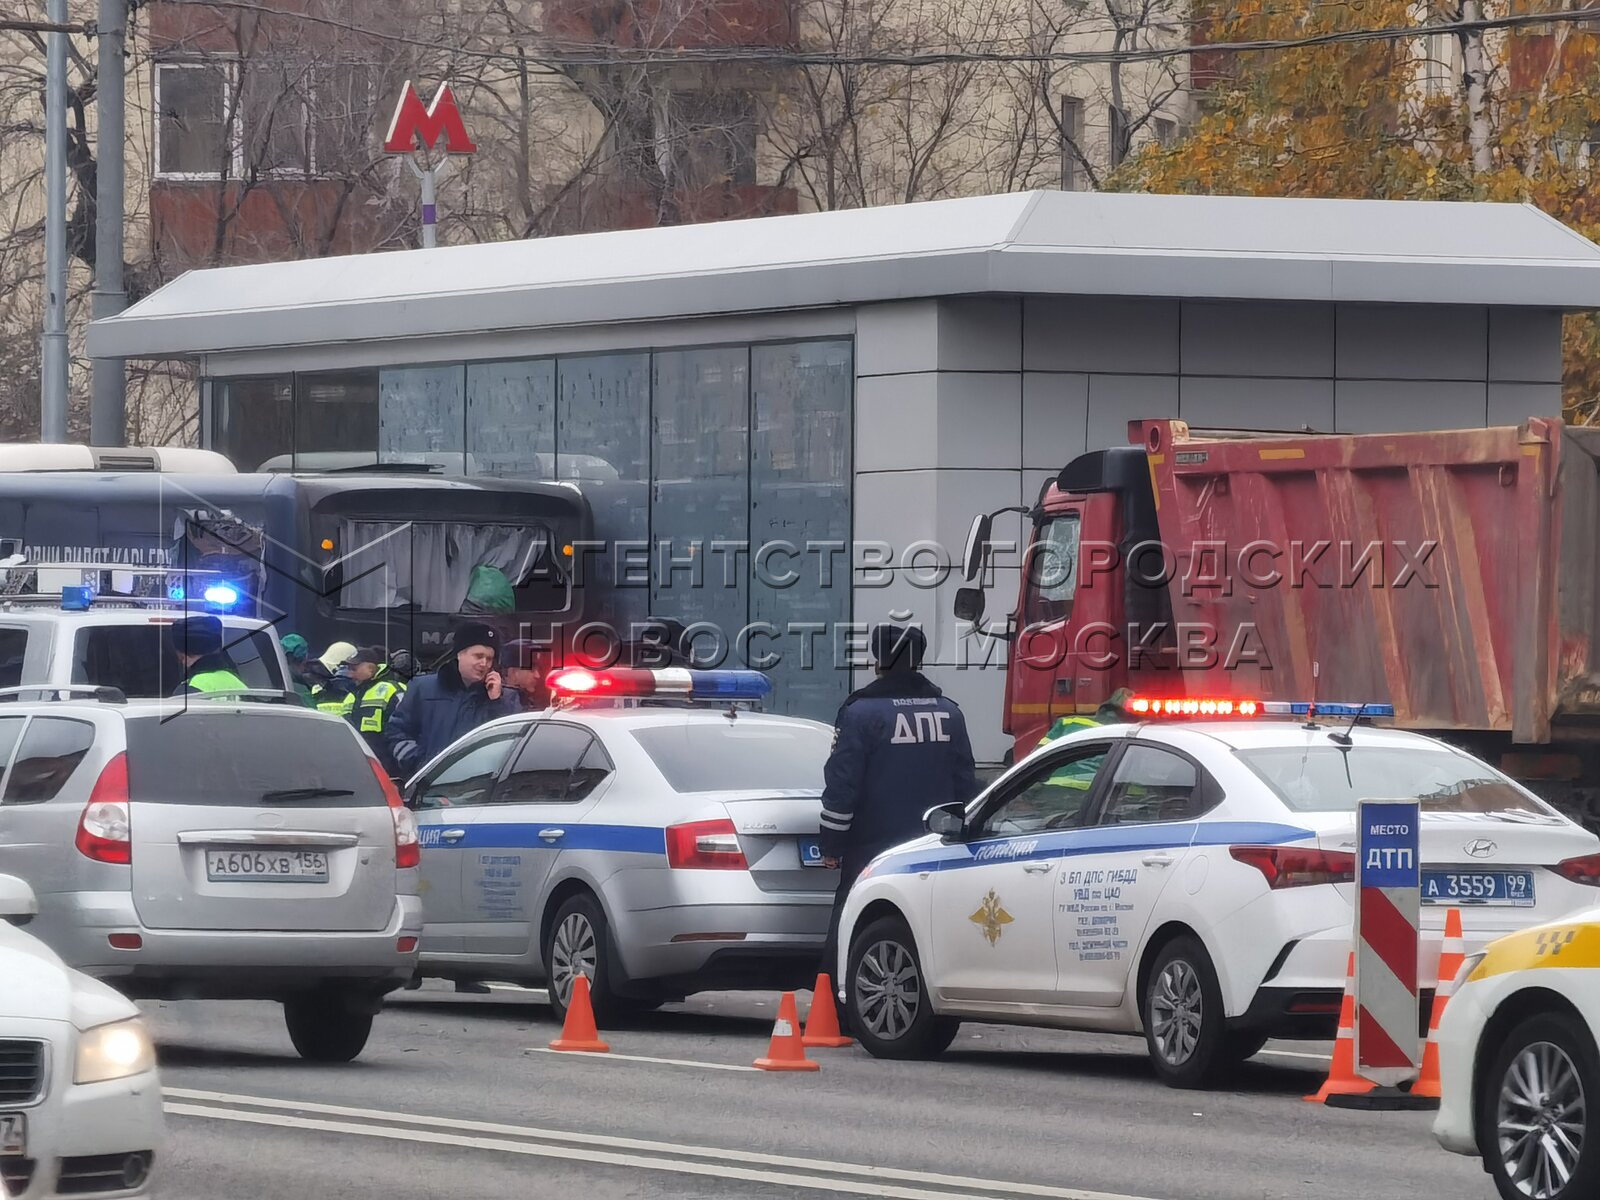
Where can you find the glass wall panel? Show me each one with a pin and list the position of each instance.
(335, 419)
(800, 475)
(602, 438)
(422, 416)
(511, 419)
(700, 516)
(252, 420)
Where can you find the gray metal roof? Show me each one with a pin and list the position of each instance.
(1052, 243)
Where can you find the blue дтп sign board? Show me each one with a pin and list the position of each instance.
(1388, 838)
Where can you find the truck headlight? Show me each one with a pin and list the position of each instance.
(113, 1051)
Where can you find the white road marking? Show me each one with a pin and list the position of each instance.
(602, 1148)
(1295, 1054)
(643, 1058)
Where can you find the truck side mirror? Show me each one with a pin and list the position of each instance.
(978, 538)
(969, 604)
(948, 820)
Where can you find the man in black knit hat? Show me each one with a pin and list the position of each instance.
(462, 695)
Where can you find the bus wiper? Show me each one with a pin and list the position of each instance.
(304, 793)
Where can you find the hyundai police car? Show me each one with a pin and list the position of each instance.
(646, 832)
(1190, 880)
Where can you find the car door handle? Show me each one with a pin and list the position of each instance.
(452, 835)
(552, 835)
(1157, 860)
(1038, 868)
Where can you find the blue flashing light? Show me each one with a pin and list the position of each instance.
(222, 595)
(729, 685)
(1323, 708)
(175, 592)
(77, 599)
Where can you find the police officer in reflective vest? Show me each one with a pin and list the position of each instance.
(900, 747)
(339, 695)
(375, 703)
(1112, 712)
(197, 641)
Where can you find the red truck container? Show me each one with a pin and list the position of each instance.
(1452, 574)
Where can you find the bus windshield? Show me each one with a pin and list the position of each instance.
(439, 566)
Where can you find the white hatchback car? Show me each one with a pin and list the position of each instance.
(80, 1103)
(1192, 881)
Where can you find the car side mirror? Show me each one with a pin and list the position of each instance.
(948, 820)
(969, 604)
(18, 904)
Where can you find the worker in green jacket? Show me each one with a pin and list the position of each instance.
(198, 643)
(1081, 774)
(376, 701)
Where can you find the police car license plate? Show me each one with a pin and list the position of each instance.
(1512, 889)
(267, 866)
(810, 852)
(13, 1134)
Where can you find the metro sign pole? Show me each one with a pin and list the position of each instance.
(414, 130)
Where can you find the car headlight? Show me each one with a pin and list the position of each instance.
(113, 1051)
(1468, 966)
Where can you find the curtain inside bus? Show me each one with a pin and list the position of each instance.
(439, 567)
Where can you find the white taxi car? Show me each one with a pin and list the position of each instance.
(80, 1104)
(1519, 1071)
(647, 832)
(1193, 881)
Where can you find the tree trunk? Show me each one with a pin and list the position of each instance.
(1475, 80)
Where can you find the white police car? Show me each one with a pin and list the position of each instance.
(645, 832)
(1193, 880)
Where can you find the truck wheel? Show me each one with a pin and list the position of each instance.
(887, 999)
(1539, 1128)
(324, 1029)
(1183, 1017)
(579, 943)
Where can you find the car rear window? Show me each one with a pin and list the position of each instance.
(1330, 779)
(730, 756)
(244, 759)
(135, 659)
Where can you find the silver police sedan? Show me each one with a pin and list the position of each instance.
(658, 849)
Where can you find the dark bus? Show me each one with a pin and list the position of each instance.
(370, 558)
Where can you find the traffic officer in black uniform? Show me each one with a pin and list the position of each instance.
(900, 747)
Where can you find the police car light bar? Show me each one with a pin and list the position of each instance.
(1234, 706)
(632, 683)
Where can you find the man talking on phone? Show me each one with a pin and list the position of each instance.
(462, 695)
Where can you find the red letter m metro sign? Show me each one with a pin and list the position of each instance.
(413, 123)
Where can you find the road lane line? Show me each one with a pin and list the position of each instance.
(641, 1058)
(751, 1157)
(1322, 1058)
(813, 1182)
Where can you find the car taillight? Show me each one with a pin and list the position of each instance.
(1584, 870)
(1293, 866)
(705, 845)
(407, 841)
(105, 829)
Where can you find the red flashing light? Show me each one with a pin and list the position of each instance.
(1193, 706)
(705, 845)
(621, 681)
(1292, 866)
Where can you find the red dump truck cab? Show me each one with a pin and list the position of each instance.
(1450, 574)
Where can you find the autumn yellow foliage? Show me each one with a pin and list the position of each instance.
(1357, 120)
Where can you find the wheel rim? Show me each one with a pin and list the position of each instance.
(1540, 1120)
(1177, 1011)
(888, 990)
(574, 952)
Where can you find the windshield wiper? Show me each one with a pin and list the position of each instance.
(304, 793)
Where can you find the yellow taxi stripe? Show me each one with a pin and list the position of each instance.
(1576, 945)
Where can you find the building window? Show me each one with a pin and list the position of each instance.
(1166, 130)
(192, 125)
(716, 138)
(343, 110)
(1118, 122)
(335, 420)
(1071, 142)
(276, 114)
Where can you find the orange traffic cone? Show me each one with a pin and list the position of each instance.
(787, 1051)
(822, 1022)
(1342, 1077)
(1451, 956)
(578, 1032)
